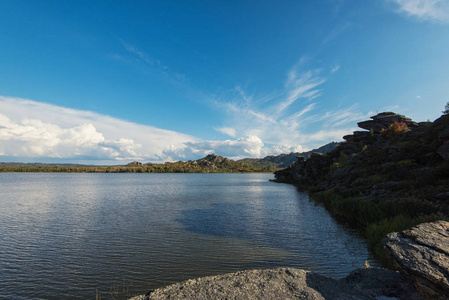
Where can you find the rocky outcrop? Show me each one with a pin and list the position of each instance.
(289, 283)
(383, 120)
(422, 255)
(371, 164)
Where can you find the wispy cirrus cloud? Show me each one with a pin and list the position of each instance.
(336, 32)
(335, 68)
(293, 117)
(424, 10)
(141, 56)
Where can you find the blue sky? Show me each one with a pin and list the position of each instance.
(108, 82)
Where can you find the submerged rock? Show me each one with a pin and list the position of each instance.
(422, 255)
(290, 283)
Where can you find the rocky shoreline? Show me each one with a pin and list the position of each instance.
(421, 255)
(290, 283)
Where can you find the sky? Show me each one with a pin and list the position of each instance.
(110, 82)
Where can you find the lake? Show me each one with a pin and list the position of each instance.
(82, 236)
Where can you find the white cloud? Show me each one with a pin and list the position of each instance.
(335, 33)
(331, 134)
(38, 130)
(227, 130)
(250, 146)
(301, 85)
(424, 10)
(335, 68)
(391, 108)
(292, 116)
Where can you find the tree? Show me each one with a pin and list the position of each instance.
(446, 109)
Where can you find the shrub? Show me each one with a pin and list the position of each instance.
(393, 130)
(406, 163)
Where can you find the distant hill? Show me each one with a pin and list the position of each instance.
(210, 164)
(285, 160)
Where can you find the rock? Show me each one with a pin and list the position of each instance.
(385, 119)
(444, 136)
(444, 151)
(422, 255)
(371, 125)
(289, 283)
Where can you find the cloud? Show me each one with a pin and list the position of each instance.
(335, 68)
(250, 146)
(335, 33)
(293, 116)
(227, 130)
(68, 135)
(57, 132)
(424, 10)
(301, 84)
(138, 55)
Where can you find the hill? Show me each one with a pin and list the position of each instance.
(210, 164)
(285, 160)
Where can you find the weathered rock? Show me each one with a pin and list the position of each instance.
(289, 283)
(422, 255)
(444, 151)
(385, 119)
(371, 125)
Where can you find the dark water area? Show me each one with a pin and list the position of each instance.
(79, 236)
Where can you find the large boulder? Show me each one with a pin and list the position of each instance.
(290, 283)
(422, 255)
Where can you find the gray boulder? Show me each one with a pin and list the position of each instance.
(289, 283)
(422, 255)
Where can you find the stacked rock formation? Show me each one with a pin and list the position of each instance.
(369, 164)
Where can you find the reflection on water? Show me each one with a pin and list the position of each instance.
(74, 236)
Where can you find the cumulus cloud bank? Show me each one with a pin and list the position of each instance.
(250, 146)
(39, 131)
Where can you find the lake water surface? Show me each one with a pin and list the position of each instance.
(78, 236)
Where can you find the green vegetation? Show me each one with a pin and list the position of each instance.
(209, 164)
(342, 161)
(446, 109)
(376, 219)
